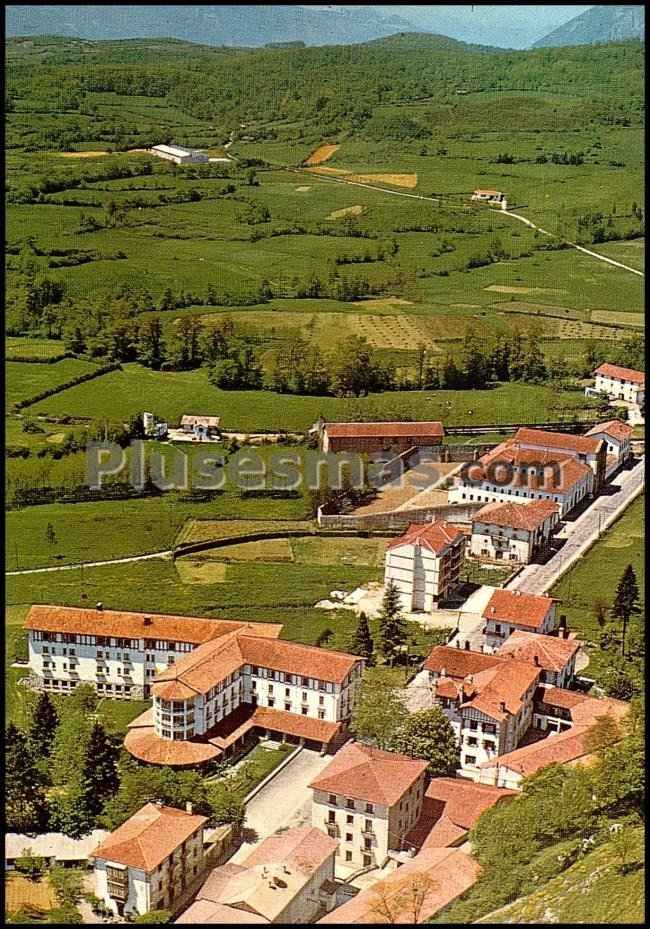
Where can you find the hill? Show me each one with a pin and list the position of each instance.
(212, 25)
(599, 24)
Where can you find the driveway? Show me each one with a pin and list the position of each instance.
(285, 802)
(537, 579)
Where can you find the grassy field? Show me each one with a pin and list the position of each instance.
(204, 530)
(593, 890)
(32, 348)
(120, 394)
(26, 379)
(596, 575)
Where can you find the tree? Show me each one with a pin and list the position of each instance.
(25, 806)
(153, 917)
(428, 735)
(362, 643)
(30, 865)
(43, 724)
(626, 600)
(624, 844)
(378, 709)
(599, 609)
(100, 775)
(401, 900)
(150, 345)
(392, 628)
(50, 534)
(227, 806)
(604, 732)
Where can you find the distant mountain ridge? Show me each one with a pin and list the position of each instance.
(599, 24)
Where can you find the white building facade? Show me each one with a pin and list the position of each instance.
(180, 155)
(424, 564)
(620, 383)
(513, 532)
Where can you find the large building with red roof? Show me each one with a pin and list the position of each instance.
(368, 799)
(150, 861)
(554, 654)
(513, 532)
(617, 437)
(511, 610)
(620, 383)
(372, 438)
(424, 564)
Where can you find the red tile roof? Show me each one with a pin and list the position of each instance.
(622, 374)
(518, 608)
(457, 663)
(143, 743)
(560, 472)
(552, 652)
(541, 438)
(149, 836)
(614, 428)
(294, 658)
(522, 515)
(303, 727)
(388, 429)
(128, 625)
(558, 696)
(435, 537)
(501, 690)
(303, 847)
(362, 772)
(451, 873)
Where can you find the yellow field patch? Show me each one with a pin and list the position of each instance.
(346, 211)
(201, 572)
(325, 170)
(500, 289)
(56, 438)
(262, 550)
(395, 180)
(618, 319)
(383, 301)
(81, 154)
(22, 892)
(322, 153)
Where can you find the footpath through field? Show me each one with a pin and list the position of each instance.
(537, 579)
(91, 564)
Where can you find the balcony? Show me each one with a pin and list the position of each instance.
(118, 891)
(368, 832)
(331, 825)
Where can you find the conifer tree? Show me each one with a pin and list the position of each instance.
(392, 628)
(362, 643)
(25, 805)
(100, 775)
(626, 600)
(42, 729)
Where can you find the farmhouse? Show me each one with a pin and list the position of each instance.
(288, 879)
(508, 610)
(620, 383)
(616, 435)
(119, 653)
(424, 564)
(201, 426)
(369, 800)
(180, 155)
(373, 438)
(518, 532)
(150, 861)
(209, 702)
(490, 196)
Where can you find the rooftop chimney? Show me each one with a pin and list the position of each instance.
(443, 672)
(148, 621)
(466, 645)
(536, 660)
(502, 707)
(189, 807)
(99, 605)
(517, 593)
(493, 610)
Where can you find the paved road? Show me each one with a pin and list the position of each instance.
(537, 579)
(285, 802)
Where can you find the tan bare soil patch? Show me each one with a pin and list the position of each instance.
(81, 154)
(622, 319)
(20, 892)
(346, 211)
(383, 301)
(326, 170)
(322, 153)
(302, 190)
(396, 180)
(500, 289)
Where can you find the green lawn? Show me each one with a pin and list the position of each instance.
(32, 348)
(26, 379)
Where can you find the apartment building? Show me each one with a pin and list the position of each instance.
(509, 610)
(369, 800)
(620, 383)
(425, 563)
(513, 532)
(208, 703)
(617, 438)
(118, 652)
(151, 861)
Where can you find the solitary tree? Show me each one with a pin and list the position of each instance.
(25, 806)
(378, 708)
(392, 628)
(428, 735)
(50, 534)
(626, 600)
(361, 643)
(600, 608)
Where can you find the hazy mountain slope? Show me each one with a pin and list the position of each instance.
(213, 25)
(599, 24)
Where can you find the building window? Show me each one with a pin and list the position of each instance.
(367, 861)
(370, 808)
(349, 819)
(349, 804)
(348, 856)
(304, 710)
(332, 799)
(287, 707)
(470, 759)
(348, 836)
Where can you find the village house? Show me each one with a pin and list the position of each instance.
(150, 862)
(585, 448)
(53, 847)
(451, 807)
(570, 715)
(518, 532)
(620, 383)
(374, 438)
(490, 196)
(180, 155)
(555, 655)
(508, 610)
(208, 703)
(118, 652)
(489, 707)
(287, 879)
(617, 436)
(369, 800)
(202, 427)
(424, 564)
(414, 892)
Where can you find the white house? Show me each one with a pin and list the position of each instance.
(202, 427)
(516, 532)
(424, 564)
(207, 703)
(368, 799)
(491, 196)
(620, 383)
(287, 879)
(509, 610)
(151, 861)
(616, 435)
(179, 154)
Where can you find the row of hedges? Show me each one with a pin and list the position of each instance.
(104, 369)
